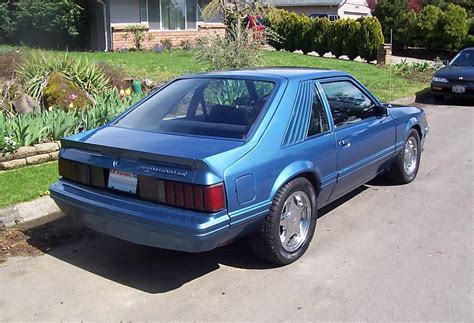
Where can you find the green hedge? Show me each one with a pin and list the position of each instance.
(348, 37)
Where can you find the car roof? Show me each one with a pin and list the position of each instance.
(276, 72)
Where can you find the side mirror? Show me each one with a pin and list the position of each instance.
(381, 111)
(446, 62)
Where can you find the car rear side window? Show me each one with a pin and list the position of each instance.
(347, 102)
(202, 106)
(318, 122)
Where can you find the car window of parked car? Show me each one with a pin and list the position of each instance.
(464, 58)
(209, 107)
(318, 122)
(347, 102)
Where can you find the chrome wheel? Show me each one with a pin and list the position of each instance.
(295, 221)
(410, 158)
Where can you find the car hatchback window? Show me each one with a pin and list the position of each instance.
(209, 107)
(348, 104)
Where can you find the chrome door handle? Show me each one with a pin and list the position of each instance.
(344, 142)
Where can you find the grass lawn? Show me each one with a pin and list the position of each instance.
(164, 66)
(26, 183)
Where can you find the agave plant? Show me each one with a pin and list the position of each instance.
(34, 74)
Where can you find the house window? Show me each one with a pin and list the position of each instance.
(143, 11)
(169, 14)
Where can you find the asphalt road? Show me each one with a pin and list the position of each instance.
(383, 253)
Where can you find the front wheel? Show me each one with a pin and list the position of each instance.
(286, 232)
(407, 162)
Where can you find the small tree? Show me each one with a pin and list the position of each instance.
(370, 38)
(336, 37)
(428, 27)
(321, 27)
(350, 31)
(138, 34)
(454, 26)
(391, 14)
(7, 25)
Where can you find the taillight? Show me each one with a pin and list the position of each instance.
(189, 196)
(183, 195)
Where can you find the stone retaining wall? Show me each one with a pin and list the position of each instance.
(30, 155)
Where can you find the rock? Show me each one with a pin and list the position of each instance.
(25, 104)
(12, 164)
(23, 152)
(54, 155)
(5, 157)
(37, 159)
(46, 148)
(63, 93)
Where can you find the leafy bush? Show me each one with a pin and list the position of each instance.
(370, 38)
(240, 50)
(350, 39)
(34, 74)
(167, 44)
(277, 22)
(29, 129)
(428, 26)
(306, 40)
(52, 19)
(454, 27)
(336, 37)
(137, 32)
(391, 14)
(7, 24)
(321, 26)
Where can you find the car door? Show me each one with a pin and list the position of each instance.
(365, 137)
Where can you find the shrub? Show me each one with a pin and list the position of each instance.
(7, 25)
(350, 32)
(240, 50)
(391, 14)
(321, 27)
(336, 37)
(428, 26)
(454, 27)
(167, 44)
(34, 73)
(9, 61)
(186, 44)
(306, 40)
(370, 38)
(138, 34)
(277, 21)
(54, 20)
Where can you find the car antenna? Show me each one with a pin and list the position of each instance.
(391, 66)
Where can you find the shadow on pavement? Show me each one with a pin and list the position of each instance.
(425, 97)
(148, 269)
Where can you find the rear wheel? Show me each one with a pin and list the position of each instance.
(407, 162)
(286, 232)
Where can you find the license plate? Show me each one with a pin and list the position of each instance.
(122, 181)
(459, 89)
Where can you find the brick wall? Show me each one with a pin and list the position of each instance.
(120, 40)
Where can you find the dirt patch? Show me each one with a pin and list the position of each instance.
(28, 242)
(13, 242)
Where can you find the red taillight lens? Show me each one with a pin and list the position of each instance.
(190, 196)
(214, 198)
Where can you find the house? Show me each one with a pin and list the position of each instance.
(333, 9)
(176, 20)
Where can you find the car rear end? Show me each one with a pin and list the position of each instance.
(146, 178)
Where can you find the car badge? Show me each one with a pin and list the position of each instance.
(115, 163)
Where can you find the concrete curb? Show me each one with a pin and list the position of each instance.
(405, 101)
(28, 211)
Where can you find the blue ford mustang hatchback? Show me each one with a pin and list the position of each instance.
(212, 157)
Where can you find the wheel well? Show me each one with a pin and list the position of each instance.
(418, 128)
(311, 177)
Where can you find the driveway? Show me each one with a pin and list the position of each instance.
(382, 253)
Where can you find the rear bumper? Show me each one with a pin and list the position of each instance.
(142, 222)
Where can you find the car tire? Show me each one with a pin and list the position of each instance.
(438, 98)
(407, 162)
(286, 232)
